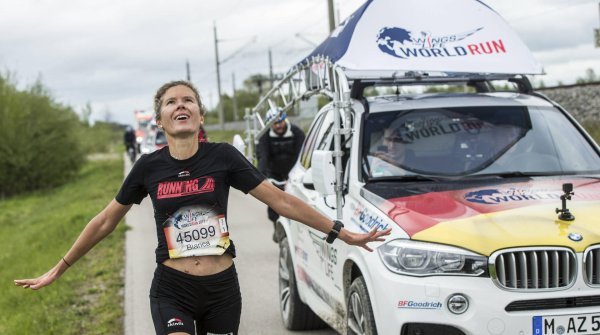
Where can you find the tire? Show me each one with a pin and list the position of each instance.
(359, 318)
(295, 314)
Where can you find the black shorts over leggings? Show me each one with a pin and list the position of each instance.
(177, 299)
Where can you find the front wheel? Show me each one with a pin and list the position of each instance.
(295, 314)
(359, 318)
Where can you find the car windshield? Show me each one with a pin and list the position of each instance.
(470, 141)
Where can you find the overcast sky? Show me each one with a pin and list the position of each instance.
(115, 54)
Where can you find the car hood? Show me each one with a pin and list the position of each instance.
(488, 216)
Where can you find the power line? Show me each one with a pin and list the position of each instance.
(308, 24)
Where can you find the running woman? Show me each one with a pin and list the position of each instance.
(195, 289)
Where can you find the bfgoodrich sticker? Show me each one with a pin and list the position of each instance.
(411, 304)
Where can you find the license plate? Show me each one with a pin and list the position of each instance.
(567, 324)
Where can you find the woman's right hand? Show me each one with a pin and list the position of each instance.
(41, 281)
(97, 229)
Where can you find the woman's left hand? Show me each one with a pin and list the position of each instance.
(361, 240)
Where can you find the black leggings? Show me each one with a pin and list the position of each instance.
(177, 299)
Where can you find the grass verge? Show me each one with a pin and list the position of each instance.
(36, 230)
(223, 135)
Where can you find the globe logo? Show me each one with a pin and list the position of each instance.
(389, 37)
(482, 196)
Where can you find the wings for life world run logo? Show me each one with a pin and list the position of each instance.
(402, 43)
(495, 196)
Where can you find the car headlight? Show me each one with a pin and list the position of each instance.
(426, 259)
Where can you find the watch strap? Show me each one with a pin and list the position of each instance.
(335, 231)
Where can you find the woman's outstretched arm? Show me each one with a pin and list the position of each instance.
(96, 230)
(293, 208)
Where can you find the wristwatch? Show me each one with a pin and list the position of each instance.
(335, 231)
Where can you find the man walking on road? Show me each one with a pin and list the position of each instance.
(277, 153)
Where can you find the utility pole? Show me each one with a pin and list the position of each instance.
(597, 31)
(258, 80)
(219, 62)
(187, 70)
(235, 113)
(331, 15)
(337, 12)
(219, 102)
(271, 78)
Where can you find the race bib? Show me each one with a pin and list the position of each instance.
(196, 231)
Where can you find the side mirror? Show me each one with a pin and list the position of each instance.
(323, 172)
(239, 144)
(307, 180)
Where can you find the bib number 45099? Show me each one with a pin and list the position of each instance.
(196, 234)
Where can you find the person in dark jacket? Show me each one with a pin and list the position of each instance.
(129, 140)
(277, 152)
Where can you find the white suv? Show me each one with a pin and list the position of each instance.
(493, 198)
(494, 204)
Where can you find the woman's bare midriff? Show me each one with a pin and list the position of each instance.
(201, 265)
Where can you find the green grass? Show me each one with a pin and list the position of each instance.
(593, 128)
(223, 135)
(36, 230)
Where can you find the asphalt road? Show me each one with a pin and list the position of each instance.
(256, 264)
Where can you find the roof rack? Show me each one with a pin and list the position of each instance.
(480, 82)
(321, 76)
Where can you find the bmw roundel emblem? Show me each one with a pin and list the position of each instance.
(575, 237)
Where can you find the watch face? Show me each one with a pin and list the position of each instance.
(337, 225)
(335, 231)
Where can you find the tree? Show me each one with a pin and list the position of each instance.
(39, 145)
(246, 97)
(258, 83)
(86, 113)
(590, 76)
(541, 84)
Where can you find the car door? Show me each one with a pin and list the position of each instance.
(322, 262)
